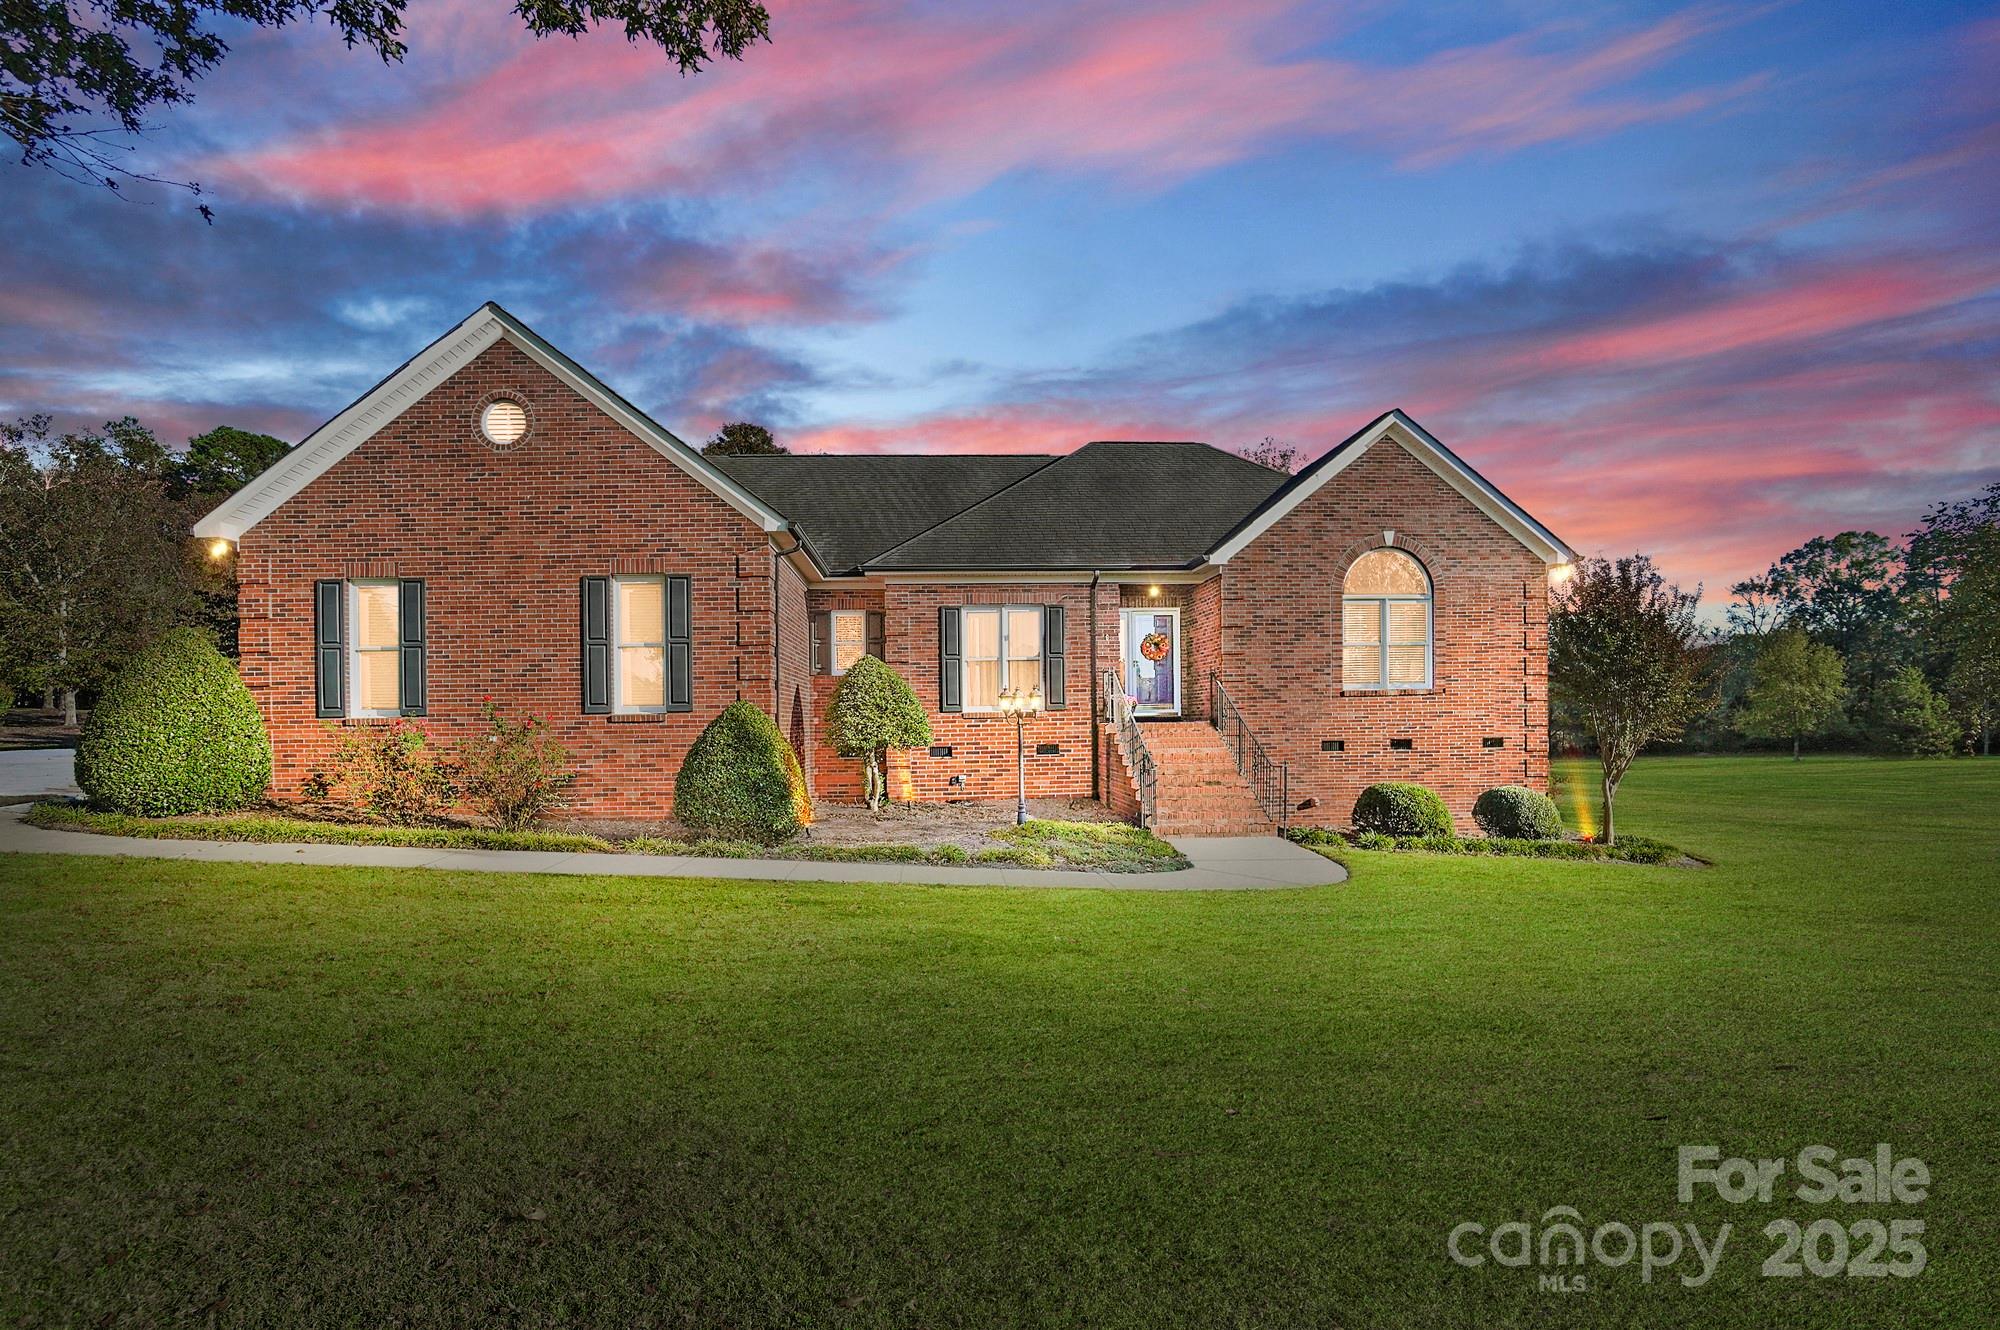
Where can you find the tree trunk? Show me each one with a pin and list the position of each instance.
(1795, 748)
(69, 706)
(1610, 834)
(48, 697)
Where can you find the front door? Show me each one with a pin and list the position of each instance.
(1153, 660)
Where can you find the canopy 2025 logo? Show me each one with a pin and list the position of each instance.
(1824, 1247)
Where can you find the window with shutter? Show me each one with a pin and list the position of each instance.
(594, 594)
(375, 648)
(329, 648)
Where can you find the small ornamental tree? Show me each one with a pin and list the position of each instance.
(175, 732)
(873, 710)
(742, 780)
(1625, 660)
(1796, 687)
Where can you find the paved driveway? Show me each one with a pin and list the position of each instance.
(38, 771)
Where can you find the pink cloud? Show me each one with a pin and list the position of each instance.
(935, 106)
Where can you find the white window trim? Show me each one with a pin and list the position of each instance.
(618, 645)
(833, 636)
(351, 605)
(1382, 603)
(964, 659)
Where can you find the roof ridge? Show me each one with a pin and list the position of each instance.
(1055, 459)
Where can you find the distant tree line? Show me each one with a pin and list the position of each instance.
(1857, 642)
(95, 556)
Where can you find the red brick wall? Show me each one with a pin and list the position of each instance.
(983, 745)
(796, 713)
(501, 539)
(1281, 643)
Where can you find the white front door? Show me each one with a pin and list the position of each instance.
(1153, 660)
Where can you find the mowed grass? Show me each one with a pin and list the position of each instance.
(257, 1095)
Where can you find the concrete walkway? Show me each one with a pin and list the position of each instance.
(1221, 863)
(26, 771)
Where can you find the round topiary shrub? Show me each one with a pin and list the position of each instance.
(1518, 813)
(874, 709)
(741, 780)
(1397, 809)
(176, 732)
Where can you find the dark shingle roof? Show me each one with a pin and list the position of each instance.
(1106, 505)
(852, 506)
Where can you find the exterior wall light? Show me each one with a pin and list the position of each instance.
(1153, 590)
(1560, 573)
(218, 549)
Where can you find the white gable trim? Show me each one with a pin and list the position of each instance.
(426, 370)
(1399, 429)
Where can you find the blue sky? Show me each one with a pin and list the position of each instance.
(1699, 280)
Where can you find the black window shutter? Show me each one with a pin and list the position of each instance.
(680, 645)
(822, 633)
(1055, 658)
(876, 636)
(596, 600)
(329, 648)
(948, 654)
(412, 671)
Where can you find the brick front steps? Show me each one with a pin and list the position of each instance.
(1199, 791)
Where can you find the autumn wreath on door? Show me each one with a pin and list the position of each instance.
(1155, 646)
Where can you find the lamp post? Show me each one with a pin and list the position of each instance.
(1019, 705)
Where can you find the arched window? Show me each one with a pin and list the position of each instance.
(1385, 634)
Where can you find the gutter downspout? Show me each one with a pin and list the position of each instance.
(778, 558)
(1096, 710)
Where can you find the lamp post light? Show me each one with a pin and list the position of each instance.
(1019, 705)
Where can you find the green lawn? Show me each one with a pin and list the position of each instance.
(266, 1095)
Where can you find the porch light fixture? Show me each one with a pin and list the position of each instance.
(218, 549)
(1152, 590)
(1020, 705)
(1560, 573)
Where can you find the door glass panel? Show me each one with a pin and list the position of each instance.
(1152, 659)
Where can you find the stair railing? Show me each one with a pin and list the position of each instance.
(1145, 776)
(1269, 781)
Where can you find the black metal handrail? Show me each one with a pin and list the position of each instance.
(1145, 776)
(1270, 781)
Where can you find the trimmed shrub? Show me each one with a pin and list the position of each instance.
(516, 771)
(175, 732)
(875, 709)
(1516, 812)
(392, 772)
(742, 780)
(1397, 809)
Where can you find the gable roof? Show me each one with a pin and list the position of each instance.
(854, 505)
(1105, 506)
(1395, 425)
(415, 377)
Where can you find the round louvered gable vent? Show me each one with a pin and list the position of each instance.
(504, 422)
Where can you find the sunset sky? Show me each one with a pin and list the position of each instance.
(1696, 280)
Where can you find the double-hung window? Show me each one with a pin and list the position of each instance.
(375, 651)
(1385, 623)
(1002, 649)
(850, 638)
(639, 629)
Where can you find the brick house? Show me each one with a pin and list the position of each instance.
(1215, 646)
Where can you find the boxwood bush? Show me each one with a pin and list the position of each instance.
(1518, 813)
(1396, 809)
(175, 732)
(742, 781)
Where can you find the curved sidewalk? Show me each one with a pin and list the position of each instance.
(1221, 863)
